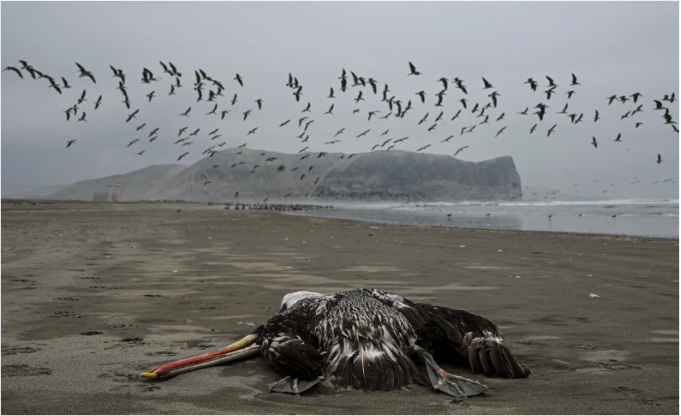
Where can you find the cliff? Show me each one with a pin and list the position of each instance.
(375, 176)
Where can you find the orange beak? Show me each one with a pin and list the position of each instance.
(244, 348)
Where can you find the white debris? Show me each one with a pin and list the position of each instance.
(462, 246)
(499, 251)
(174, 271)
(517, 277)
(375, 228)
(593, 295)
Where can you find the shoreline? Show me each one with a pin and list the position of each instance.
(94, 295)
(310, 214)
(664, 240)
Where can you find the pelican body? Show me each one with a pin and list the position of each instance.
(367, 339)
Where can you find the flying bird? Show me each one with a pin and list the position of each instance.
(500, 131)
(239, 79)
(70, 142)
(460, 150)
(131, 116)
(551, 130)
(11, 68)
(132, 142)
(574, 80)
(412, 69)
(487, 84)
(85, 73)
(447, 139)
(186, 113)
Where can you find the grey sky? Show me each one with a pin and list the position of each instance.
(613, 48)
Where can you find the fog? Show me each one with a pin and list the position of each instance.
(613, 48)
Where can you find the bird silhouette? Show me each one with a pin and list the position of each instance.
(11, 68)
(460, 150)
(412, 70)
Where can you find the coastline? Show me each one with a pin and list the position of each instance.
(94, 294)
(667, 240)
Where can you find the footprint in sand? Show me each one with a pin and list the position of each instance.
(24, 370)
(163, 353)
(642, 397)
(19, 350)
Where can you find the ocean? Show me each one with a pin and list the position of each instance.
(657, 218)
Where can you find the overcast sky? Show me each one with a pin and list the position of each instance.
(612, 47)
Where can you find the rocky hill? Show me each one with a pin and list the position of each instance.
(374, 176)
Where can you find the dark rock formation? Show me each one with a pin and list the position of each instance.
(376, 176)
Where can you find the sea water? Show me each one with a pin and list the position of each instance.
(627, 217)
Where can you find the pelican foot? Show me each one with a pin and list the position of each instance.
(454, 385)
(293, 386)
(451, 384)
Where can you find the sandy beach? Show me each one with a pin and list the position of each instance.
(94, 294)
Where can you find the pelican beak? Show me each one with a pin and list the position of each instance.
(244, 348)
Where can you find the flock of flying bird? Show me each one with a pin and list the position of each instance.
(212, 92)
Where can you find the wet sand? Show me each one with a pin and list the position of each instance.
(94, 294)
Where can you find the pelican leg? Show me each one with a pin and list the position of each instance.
(293, 385)
(451, 384)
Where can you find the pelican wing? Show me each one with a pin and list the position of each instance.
(474, 337)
